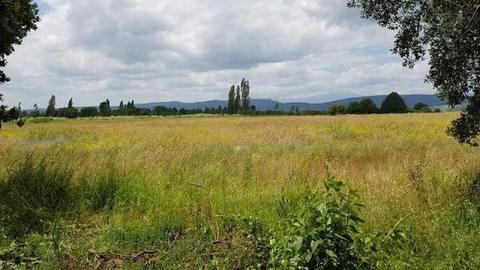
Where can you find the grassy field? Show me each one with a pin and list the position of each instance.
(163, 192)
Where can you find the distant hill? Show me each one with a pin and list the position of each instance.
(269, 104)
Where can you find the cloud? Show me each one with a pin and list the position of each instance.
(152, 50)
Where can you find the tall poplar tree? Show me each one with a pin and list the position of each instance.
(238, 98)
(231, 100)
(245, 91)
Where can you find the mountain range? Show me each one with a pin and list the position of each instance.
(269, 104)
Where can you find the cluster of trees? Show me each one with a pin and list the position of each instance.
(239, 99)
(103, 109)
(393, 103)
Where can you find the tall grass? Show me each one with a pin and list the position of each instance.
(171, 184)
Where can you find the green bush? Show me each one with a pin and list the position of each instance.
(33, 194)
(336, 109)
(321, 231)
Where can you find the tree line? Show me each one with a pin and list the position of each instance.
(239, 102)
(393, 103)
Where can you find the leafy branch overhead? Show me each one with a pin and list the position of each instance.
(447, 33)
(17, 18)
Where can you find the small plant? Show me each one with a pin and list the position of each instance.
(322, 232)
(20, 123)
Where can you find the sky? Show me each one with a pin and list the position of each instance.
(194, 50)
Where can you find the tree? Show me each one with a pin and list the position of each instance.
(105, 109)
(238, 98)
(69, 111)
(354, 108)
(449, 32)
(89, 112)
(51, 111)
(336, 109)
(36, 111)
(394, 103)
(231, 100)
(17, 18)
(121, 108)
(422, 107)
(365, 106)
(245, 91)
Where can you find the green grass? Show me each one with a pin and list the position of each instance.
(172, 185)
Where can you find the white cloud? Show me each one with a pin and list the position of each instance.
(152, 50)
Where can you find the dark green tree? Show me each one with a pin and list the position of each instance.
(51, 111)
(353, 108)
(36, 111)
(245, 91)
(231, 100)
(422, 107)
(449, 32)
(69, 111)
(238, 98)
(394, 103)
(104, 108)
(121, 108)
(365, 106)
(89, 112)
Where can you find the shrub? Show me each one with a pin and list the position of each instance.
(20, 123)
(422, 107)
(34, 194)
(336, 109)
(321, 231)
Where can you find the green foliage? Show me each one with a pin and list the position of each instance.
(394, 103)
(238, 101)
(68, 112)
(89, 112)
(33, 194)
(321, 231)
(336, 109)
(245, 91)
(104, 108)
(365, 106)
(17, 18)
(20, 123)
(467, 128)
(51, 111)
(231, 100)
